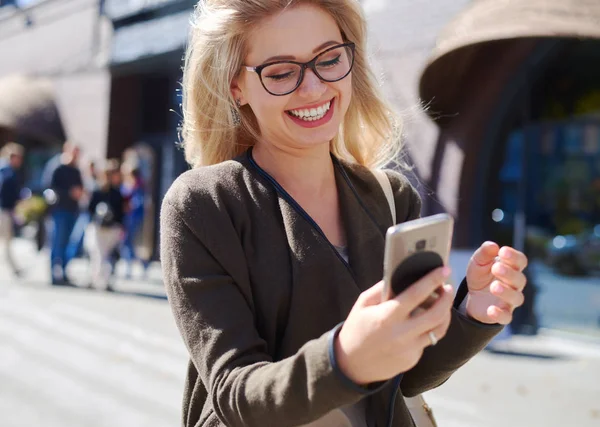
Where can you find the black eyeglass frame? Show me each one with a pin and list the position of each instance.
(312, 64)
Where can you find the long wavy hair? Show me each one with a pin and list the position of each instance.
(370, 131)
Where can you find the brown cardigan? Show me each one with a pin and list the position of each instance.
(257, 290)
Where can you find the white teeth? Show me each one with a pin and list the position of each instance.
(312, 114)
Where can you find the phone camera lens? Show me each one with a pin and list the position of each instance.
(420, 245)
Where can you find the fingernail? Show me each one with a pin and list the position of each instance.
(446, 271)
(502, 269)
(498, 288)
(506, 253)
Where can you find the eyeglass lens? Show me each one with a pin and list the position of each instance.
(284, 77)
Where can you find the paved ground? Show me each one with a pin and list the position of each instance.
(78, 357)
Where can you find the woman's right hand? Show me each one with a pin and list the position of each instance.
(380, 340)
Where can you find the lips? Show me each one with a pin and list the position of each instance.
(311, 114)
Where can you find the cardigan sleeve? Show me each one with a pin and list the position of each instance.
(214, 314)
(465, 337)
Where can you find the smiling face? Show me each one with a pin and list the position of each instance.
(312, 114)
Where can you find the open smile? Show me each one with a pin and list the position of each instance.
(314, 116)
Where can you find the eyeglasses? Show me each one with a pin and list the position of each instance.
(283, 77)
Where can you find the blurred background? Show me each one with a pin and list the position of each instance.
(502, 107)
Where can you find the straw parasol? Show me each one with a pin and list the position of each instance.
(27, 108)
(491, 22)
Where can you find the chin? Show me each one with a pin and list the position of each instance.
(316, 136)
(316, 139)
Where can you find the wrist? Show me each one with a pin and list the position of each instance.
(471, 313)
(344, 362)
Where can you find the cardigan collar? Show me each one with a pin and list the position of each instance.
(361, 219)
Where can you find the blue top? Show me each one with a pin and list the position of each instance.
(10, 187)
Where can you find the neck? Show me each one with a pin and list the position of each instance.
(298, 171)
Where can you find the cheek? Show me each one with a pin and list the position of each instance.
(345, 90)
(266, 107)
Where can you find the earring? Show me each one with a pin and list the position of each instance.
(237, 120)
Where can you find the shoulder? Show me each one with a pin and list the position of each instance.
(207, 199)
(204, 184)
(400, 184)
(406, 196)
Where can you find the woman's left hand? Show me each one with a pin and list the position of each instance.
(495, 279)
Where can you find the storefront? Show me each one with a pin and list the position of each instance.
(514, 90)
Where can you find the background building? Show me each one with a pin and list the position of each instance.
(53, 78)
(513, 91)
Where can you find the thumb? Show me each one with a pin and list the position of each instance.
(485, 255)
(371, 296)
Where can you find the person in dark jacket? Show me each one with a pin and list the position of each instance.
(66, 185)
(105, 231)
(272, 246)
(10, 191)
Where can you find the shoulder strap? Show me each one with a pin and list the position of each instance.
(384, 182)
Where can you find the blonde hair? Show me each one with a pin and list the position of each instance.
(369, 134)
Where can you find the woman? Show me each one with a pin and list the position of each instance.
(276, 237)
(106, 209)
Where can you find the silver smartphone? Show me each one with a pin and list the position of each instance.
(414, 248)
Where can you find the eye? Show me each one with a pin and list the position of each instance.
(281, 72)
(329, 63)
(279, 77)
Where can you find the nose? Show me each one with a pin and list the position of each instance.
(311, 86)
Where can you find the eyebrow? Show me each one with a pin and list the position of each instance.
(291, 58)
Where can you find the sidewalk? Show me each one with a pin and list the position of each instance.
(36, 268)
(550, 380)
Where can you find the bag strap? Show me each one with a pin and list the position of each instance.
(420, 411)
(384, 182)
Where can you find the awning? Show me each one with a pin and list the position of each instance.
(488, 23)
(27, 108)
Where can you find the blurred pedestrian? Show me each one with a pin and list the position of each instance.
(10, 190)
(134, 193)
(105, 231)
(66, 185)
(75, 245)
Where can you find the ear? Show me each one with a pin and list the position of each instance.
(237, 91)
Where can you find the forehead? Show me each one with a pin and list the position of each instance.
(293, 32)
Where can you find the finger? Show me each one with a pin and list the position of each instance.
(440, 330)
(510, 276)
(371, 296)
(436, 316)
(486, 254)
(500, 316)
(418, 292)
(514, 258)
(506, 294)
